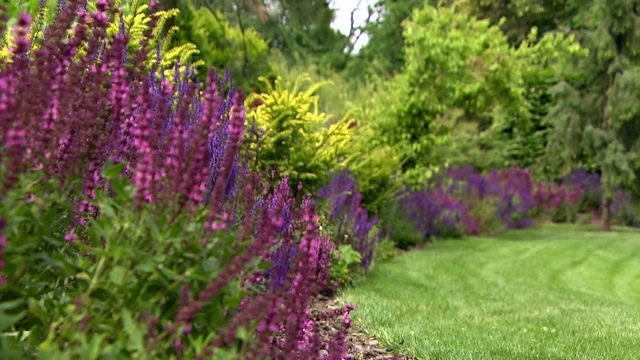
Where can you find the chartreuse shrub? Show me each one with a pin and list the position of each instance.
(453, 62)
(135, 20)
(376, 164)
(294, 137)
(130, 226)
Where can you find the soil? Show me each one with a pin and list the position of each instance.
(360, 345)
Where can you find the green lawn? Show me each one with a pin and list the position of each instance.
(553, 292)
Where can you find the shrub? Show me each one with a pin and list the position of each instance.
(400, 227)
(590, 197)
(375, 166)
(296, 139)
(386, 250)
(515, 196)
(623, 210)
(344, 265)
(436, 213)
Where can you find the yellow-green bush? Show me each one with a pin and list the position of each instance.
(137, 21)
(297, 139)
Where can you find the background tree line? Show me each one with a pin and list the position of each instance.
(548, 85)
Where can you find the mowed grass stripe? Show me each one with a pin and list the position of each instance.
(553, 292)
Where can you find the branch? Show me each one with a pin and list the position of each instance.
(352, 26)
(245, 62)
(356, 32)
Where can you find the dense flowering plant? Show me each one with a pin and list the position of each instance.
(561, 202)
(130, 225)
(351, 223)
(461, 201)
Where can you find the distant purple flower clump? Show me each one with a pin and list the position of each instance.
(461, 201)
(589, 184)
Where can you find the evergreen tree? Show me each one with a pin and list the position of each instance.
(598, 111)
(520, 16)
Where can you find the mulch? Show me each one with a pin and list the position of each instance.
(360, 345)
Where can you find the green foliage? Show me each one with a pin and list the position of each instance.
(383, 53)
(297, 138)
(385, 251)
(484, 213)
(626, 214)
(518, 17)
(223, 46)
(524, 144)
(88, 299)
(335, 97)
(376, 168)
(452, 62)
(41, 17)
(302, 29)
(466, 96)
(404, 231)
(35, 264)
(344, 265)
(374, 161)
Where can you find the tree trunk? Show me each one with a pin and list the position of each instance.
(606, 213)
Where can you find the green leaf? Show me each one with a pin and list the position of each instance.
(117, 275)
(8, 320)
(112, 171)
(38, 310)
(55, 263)
(211, 264)
(120, 187)
(149, 265)
(131, 328)
(10, 305)
(101, 294)
(168, 274)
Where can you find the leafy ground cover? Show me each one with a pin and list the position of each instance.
(550, 292)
